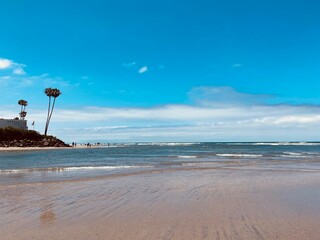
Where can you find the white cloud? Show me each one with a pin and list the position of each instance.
(19, 82)
(227, 131)
(238, 119)
(5, 63)
(134, 66)
(184, 123)
(143, 69)
(272, 115)
(236, 65)
(19, 71)
(14, 77)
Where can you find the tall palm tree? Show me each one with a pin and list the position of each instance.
(48, 92)
(23, 114)
(23, 104)
(51, 93)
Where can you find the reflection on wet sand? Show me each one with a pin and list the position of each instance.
(47, 216)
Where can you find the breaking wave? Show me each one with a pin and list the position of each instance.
(69, 169)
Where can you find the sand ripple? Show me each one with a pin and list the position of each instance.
(195, 204)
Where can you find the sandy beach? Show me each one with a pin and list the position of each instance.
(183, 204)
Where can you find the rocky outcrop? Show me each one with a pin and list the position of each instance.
(14, 137)
(45, 142)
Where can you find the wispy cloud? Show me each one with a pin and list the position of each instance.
(273, 115)
(215, 114)
(237, 65)
(135, 67)
(19, 71)
(7, 64)
(143, 70)
(273, 123)
(129, 64)
(184, 123)
(241, 120)
(17, 82)
(222, 96)
(14, 76)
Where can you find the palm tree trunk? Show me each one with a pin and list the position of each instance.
(54, 101)
(21, 111)
(48, 114)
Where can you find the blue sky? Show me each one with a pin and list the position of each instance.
(137, 70)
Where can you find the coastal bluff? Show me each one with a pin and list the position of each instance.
(13, 137)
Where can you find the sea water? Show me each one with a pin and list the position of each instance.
(126, 158)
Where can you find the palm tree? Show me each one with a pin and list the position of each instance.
(23, 104)
(23, 114)
(48, 92)
(51, 93)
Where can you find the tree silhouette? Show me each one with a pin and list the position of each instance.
(51, 93)
(23, 104)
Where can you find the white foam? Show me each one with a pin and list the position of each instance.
(98, 168)
(288, 144)
(159, 144)
(66, 169)
(295, 156)
(187, 156)
(293, 153)
(195, 164)
(238, 155)
(200, 164)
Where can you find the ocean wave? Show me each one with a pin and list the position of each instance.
(160, 144)
(187, 156)
(172, 144)
(287, 143)
(293, 153)
(238, 155)
(299, 155)
(199, 164)
(295, 156)
(69, 169)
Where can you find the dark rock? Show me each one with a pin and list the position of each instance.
(12, 137)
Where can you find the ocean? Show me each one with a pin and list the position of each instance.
(127, 158)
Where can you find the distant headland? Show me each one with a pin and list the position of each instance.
(15, 137)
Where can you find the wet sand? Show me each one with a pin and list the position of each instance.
(183, 204)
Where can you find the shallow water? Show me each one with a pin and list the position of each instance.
(162, 191)
(52, 165)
